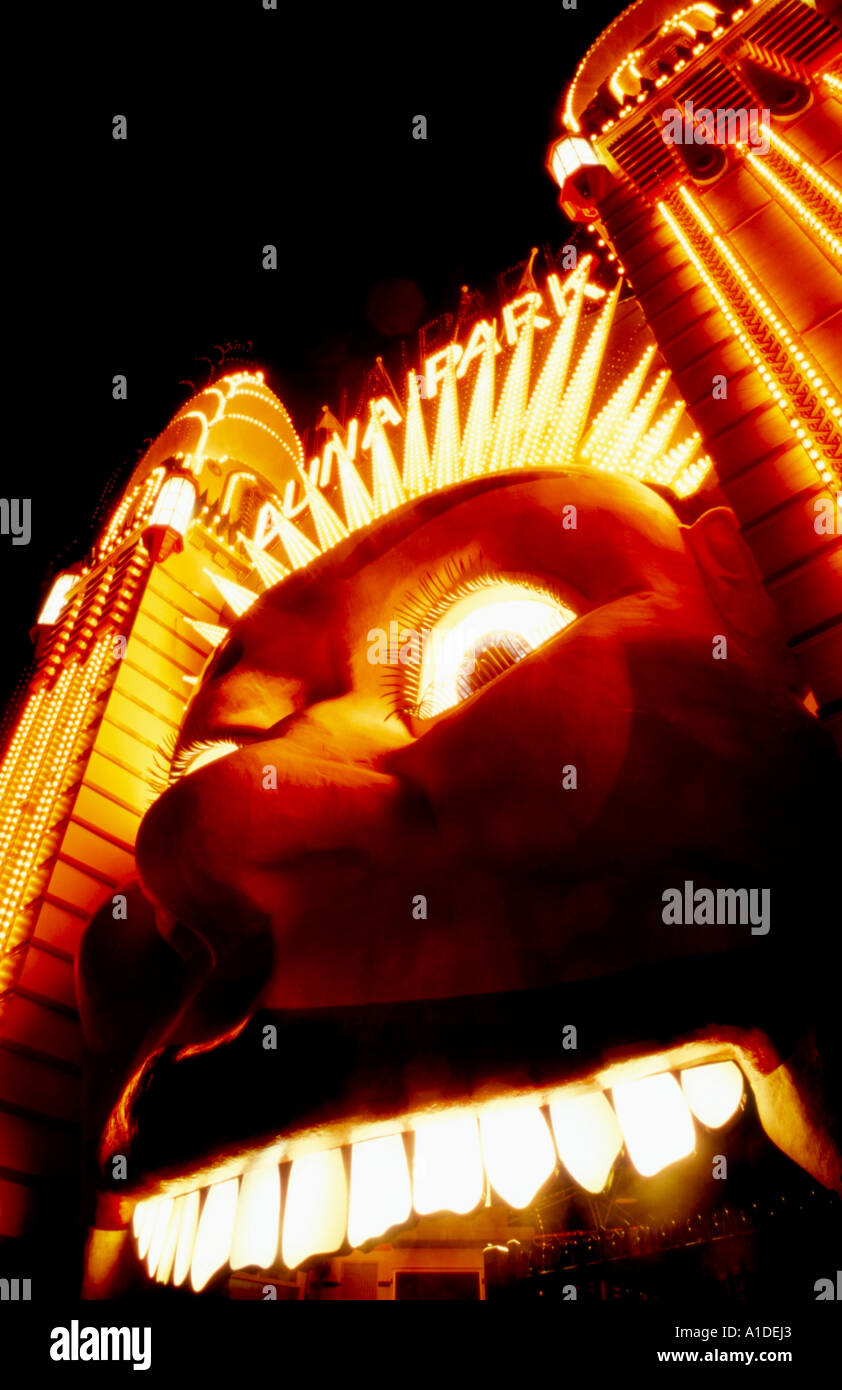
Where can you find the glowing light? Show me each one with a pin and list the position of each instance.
(56, 599)
(380, 1188)
(713, 1092)
(159, 1233)
(257, 1226)
(587, 1137)
(518, 1151)
(526, 617)
(186, 1238)
(216, 1229)
(568, 155)
(213, 633)
(220, 748)
(447, 1165)
(147, 1227)
(174, 504)
(238, 598)
(655, 1121)
(163, 1269)
(316, 1210)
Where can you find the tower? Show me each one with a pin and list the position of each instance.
(121, 639)
(702, 145)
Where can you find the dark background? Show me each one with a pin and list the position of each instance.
(246, 127)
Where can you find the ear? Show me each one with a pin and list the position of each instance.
(735, 588)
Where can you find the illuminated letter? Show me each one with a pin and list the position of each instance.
(436, 366)
(481, 333)
(517, 312)
(386, 413)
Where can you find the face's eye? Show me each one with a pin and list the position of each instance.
(480, 634)
(199, 754)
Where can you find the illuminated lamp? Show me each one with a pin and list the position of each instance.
(583, 179)
(56, 599)
(171, 515)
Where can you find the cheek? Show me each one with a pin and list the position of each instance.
(524, 768)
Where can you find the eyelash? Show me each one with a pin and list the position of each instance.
(419, 609)
(168, 766)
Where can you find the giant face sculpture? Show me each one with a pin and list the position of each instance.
(423, 813)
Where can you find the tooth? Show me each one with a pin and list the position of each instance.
(518, 1151)
(147, 1227)
(380, 1191)
(316, 1211)
(156, 1245)
(447, 1166)
(713, 1092)
(587, 1137)
(655, 1120)
(164, 1267)
(216, 1227)
(258, 1218)
(137, 1218)
(186, 1238)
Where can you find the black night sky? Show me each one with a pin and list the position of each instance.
(246, 127)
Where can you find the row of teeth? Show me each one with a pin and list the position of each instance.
(456, 1157)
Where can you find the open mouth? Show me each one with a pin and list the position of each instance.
(473, 1157)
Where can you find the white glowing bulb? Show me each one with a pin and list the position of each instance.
(713, 1092)
(518, 1152)
(656, 1122)
(316, 1209)
(447, 1165)
(380, 1188)
(159, 1233)
(587, 1137)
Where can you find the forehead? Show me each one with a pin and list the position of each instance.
(542, 519)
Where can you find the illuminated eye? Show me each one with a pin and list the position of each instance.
(197, 755)
(480, 635)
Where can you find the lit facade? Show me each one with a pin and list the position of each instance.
(570, 373)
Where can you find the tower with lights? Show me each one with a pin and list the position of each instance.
(729, 227)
